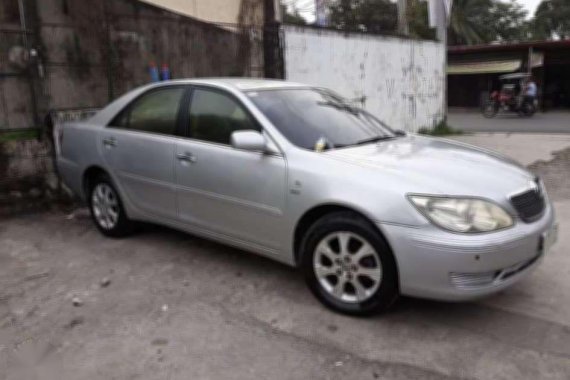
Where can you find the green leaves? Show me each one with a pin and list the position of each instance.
(552, 20)
(472, 21)
(375, 16)
(292, 16)
(483, 21)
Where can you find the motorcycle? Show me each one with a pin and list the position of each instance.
(507, 98)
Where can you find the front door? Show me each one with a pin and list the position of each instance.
(139, 148)
(239, 194)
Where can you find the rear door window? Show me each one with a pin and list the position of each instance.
(154, 112)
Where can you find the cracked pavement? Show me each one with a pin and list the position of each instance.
(180, 307)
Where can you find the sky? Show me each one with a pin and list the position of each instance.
(307, 7)
(530, 5)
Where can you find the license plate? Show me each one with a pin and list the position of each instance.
(549, 238)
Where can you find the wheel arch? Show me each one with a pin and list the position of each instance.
(317, 212)
(89, 175)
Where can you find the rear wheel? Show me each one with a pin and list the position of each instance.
(107, 210)
(348, 266)
(528, 109)
(490, 109)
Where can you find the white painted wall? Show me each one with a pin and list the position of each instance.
(403, 80)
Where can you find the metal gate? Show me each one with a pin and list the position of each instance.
(18, 101)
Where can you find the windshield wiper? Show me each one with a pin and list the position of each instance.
(373, 140)
(366, 141)
(340, 106)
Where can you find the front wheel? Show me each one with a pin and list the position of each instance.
(348, 265)
(107, 210)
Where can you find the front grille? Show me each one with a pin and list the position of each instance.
(529, 204)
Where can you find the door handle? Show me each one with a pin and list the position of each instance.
(186, 156)
(110, 142)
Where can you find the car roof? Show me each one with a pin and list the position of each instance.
(240, 84)
(244, 84)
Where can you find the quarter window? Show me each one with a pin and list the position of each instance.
(215, 116)
(155, 112)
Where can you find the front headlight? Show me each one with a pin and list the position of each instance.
(466, 215)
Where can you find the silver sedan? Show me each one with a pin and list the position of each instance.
(297, 174)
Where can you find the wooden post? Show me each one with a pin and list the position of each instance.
(529, 68)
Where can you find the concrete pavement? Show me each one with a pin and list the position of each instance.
(547, 122)
(525, 148)
(546, 155)
(180, 307)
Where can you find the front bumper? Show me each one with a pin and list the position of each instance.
(436, 264)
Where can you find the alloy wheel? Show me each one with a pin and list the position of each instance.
(105, 206)
(347, 267)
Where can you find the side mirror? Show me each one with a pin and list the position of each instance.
(400, 132)
(249, 140)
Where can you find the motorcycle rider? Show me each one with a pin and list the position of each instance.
(530, 91)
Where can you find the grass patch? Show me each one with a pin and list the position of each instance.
(15, 135)
(441, 129)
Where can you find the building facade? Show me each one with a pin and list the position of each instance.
(474, 71)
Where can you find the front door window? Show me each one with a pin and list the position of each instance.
(215, 116)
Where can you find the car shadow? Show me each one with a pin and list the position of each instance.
(237, 256)
(247, 263)
(278, 281)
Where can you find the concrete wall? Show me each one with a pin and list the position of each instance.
(401, 81)
(84, 57)
(15, 91)
(90, 52)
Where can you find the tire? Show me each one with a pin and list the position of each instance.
(490, 109)
(529, 110)
(107, 209)
(323, 260)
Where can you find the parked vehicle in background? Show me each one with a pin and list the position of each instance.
(297, 174)
(510, 98)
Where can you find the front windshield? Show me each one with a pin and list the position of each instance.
(317, 119)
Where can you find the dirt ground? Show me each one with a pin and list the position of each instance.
(166, 305)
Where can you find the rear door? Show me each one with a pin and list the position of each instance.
(139, 146)
(237, 193)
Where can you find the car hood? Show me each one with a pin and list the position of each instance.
(439, 166)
